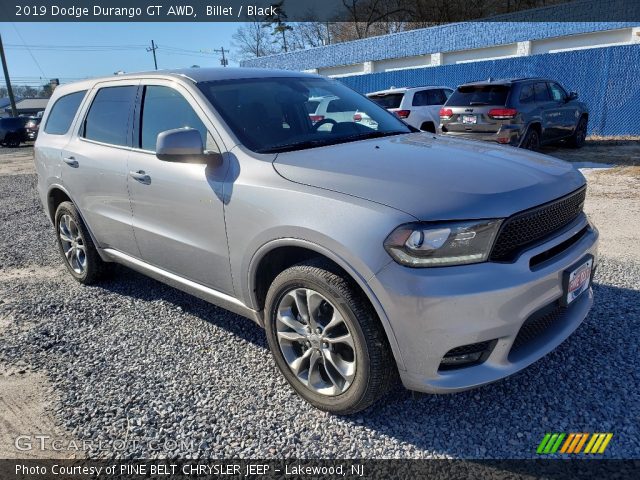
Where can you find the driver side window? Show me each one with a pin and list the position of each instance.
(163, 108)
(557, 92)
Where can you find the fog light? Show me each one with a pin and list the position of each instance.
(463, 359)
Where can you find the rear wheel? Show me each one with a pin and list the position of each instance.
(428, 127)
(531, 140)
(579, 135)
(76, 247)
(326, 339)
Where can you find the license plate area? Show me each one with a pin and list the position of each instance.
(469, 119)
(576, 280)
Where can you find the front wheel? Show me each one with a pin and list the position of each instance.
(326, 339)
(579, 135)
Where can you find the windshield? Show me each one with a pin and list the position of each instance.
(470, 95)
(271, 115)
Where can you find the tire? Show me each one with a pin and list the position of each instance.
(13, 141)
(76, 246)
(428, 127)
(369, 353)
(579, 135)
(531, 140)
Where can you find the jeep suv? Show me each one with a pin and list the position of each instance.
(364, 253)
(524, 112)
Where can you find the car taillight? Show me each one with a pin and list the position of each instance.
(357, 117)
(446, 113)
(502, 113)
(402, 113)
(316, 118)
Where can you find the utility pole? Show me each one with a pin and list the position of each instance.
(153, 49)
(223, 61)
(14, 110)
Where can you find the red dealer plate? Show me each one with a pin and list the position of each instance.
(577, 280)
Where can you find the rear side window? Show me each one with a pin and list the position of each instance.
(470, 95)
(108, 117)
(429, 97)
(390, 100)
(163, 108)
(527, 94)
(541, 92)
(63, 112)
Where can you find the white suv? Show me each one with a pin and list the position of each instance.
(417, 106)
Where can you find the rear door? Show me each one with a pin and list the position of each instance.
(178, 208)
(94, 164)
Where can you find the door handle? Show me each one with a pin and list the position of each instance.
(140, 176)
(71, 161)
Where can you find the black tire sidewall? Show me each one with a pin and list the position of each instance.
(340, 403)
(90, 273)
(527, 140)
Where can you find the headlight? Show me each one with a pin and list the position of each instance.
(442, 244)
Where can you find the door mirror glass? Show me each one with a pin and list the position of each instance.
(572, 96)
(183, 145)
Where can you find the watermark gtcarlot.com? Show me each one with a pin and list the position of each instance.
(25, 443)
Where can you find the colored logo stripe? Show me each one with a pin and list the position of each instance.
(597, 443)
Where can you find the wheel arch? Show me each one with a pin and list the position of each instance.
(280, 254)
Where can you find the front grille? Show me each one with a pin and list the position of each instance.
(536, 326)
(526, 228)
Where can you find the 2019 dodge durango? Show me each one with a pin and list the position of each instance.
(365, 253)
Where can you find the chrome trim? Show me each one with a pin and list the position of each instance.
(205, 293)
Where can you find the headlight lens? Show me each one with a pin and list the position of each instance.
(442, 244)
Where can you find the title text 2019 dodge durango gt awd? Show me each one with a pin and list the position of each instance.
(364, 252)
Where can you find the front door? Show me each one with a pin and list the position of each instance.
(178, 212)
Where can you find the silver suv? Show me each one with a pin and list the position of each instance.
(364, 253)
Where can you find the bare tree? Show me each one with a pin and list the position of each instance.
(251, 40)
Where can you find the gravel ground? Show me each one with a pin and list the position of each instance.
(132, 359)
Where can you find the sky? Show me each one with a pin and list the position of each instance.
(121, 47)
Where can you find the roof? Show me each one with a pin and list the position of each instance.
(32, 104)
(504, 81)
(407, 89)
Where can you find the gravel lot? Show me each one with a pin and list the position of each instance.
(135, 360)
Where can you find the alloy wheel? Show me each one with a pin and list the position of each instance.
(316, 342)
(73, 245)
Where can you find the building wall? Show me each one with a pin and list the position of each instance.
(607, 79)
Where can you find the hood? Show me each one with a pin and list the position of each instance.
(434, 178)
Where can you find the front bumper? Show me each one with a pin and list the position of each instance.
(434, 310)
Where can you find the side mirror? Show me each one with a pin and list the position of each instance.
(183, 145)
(572, 96)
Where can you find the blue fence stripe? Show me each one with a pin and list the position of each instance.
(607, 79)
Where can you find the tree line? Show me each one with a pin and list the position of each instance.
(358, 19)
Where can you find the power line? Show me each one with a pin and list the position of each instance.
(28, 49)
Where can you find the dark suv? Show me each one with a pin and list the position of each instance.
(524, 112)
(13, 131)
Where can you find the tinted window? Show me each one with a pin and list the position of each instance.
(469, 95)
(164, 109)
(339, 105)
(527, 94)
(108, 117)
(63, 112)
(388, 100)
(541, 92)
(557, 93)
(429, 97)
(312, 106)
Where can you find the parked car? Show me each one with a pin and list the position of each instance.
(523, 112)
(329, 107)
(417, 106)
(13, 131)
(364, 253)
(32, 124)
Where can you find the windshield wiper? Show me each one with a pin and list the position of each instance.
(326, 141)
